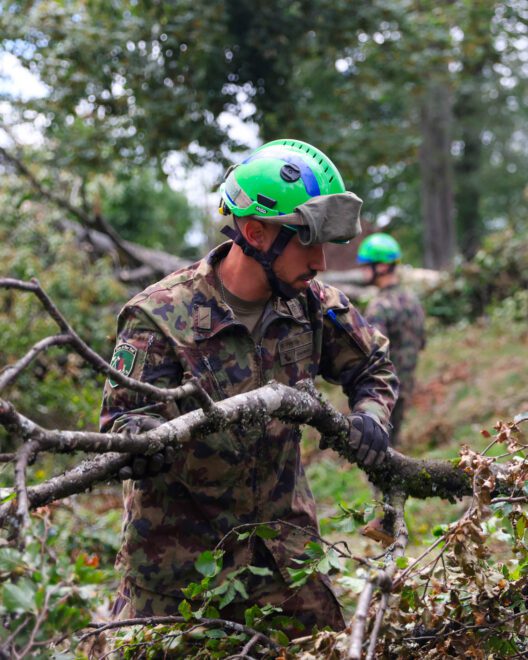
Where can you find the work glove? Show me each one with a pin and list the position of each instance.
(368, 438)
(140, 466)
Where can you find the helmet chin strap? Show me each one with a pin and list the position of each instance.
(266, 259)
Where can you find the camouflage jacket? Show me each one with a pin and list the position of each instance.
(180, 327)
(399, 315)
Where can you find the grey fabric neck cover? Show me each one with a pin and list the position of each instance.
(330, 218)
(323, 219)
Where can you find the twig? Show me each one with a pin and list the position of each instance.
(244, 653)
(39, 619)
(13, 636)
(382, 579)
(77, 480)
(96, 221)
(24, 455)
(157, 620)
(360, 620)
(11, 372)
(93, 358)
(377, 626)
(512, 500)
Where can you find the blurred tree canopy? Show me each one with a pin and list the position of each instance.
(146, 210)
(421, 105)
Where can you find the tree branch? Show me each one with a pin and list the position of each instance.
(146, 263)
(157, 620)
(24, 456)
(11, 372)
(93, 358)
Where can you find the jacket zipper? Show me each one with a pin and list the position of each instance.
(212, 374)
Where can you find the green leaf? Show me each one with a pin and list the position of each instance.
(266, 532)
(242, 536)
(439, 530)
(281, 637)
(333, 559)
(19, 597)
(298, 576)
(8, 498)
(220, 589)
(323, 566)
(193, 589)
(209, 563)
(259, 570)
(251, 613)
(402, 562)
(228, 598)
(216, 633)
(520, 527)
(211, 612)
(241, 589)
(185, 610)
(314, 550)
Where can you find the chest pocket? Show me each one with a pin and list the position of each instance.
(296, 348)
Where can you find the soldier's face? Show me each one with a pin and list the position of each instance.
(298, 264)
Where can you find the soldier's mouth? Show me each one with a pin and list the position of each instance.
(306, 278)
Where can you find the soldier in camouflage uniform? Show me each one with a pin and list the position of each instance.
(249, 312)
(399, 315)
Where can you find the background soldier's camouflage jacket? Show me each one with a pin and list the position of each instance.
(399, 315)
(180, 327)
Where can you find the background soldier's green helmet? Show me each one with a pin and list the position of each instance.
(379, 248)
(277, 178)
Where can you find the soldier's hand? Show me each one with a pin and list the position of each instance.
(143, 466)
(368, 439)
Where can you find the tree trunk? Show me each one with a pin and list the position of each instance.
(469, 111)
(436, 177)
(467, 169)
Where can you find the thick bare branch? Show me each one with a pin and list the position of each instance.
(77, 480)
(275, 400)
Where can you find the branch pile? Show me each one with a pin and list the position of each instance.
(398, 478)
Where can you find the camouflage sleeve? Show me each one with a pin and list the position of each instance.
(144, 353)
(376, 314)
(355, 356)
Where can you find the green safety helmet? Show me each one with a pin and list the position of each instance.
(291, 183)
(379, 248)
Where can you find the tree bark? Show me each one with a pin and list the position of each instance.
(436, 176)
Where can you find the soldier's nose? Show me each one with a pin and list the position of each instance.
(318, 259)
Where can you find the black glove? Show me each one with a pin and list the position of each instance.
(146, 466)
(368, 439)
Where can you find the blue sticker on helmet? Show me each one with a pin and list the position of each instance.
(308, 177)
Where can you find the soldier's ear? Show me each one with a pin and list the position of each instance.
(256, 234)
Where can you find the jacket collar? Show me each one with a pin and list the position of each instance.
(211, 314)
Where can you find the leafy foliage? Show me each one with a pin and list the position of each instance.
(50, 589)
(147, 211)
(471, 600)
(142, 80)
(495, 281)
(33, 244)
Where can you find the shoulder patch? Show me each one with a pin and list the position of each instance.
(123, 360)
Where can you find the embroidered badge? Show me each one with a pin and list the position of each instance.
(298, 347)
(123, 360)
(203, 318)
